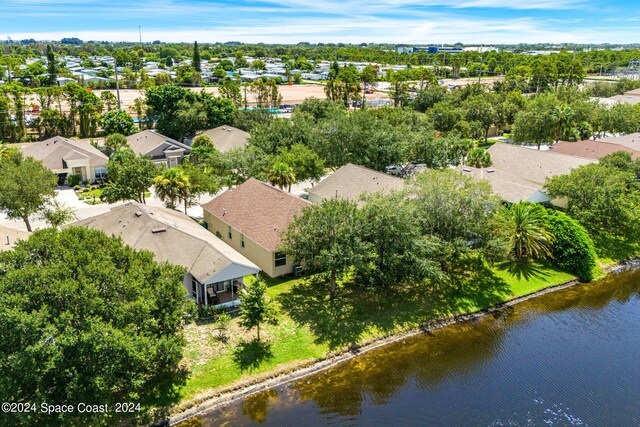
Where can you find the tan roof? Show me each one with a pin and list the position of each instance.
(625, 99)
(531, 164)
(351, 181)
(9, 236)
(509, 187)
(257, 210)
(144, 142)
(634, 92)
(173, 237)
(55, 152)
(226, 138)
(630, 141)
(592, 149)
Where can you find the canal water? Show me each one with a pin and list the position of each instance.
(568, 358)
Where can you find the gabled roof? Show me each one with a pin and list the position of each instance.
(531, 164)
(9, 237)
(592, 149)
(144, 142)
(631, 140)
(226, 138)
(509, 187)
(257, 210)
(351, 181)
(55, 152)
(173, 237)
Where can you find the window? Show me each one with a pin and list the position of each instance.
(229, 233)
(194, 288)
(242, 240)
(100, 172)
(221, 286)
(281, 259)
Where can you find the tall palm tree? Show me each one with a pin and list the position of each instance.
(172, 186)
(563, 117)
(281, 175)
(522, 226)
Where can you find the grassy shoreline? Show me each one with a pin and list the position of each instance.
(313, 328)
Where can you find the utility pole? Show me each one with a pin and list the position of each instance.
(115, 67)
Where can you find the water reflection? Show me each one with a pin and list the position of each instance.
(566, 358)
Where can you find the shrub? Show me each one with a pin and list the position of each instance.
(74, 180)
(573, 249)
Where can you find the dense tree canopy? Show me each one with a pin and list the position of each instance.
(86, 319)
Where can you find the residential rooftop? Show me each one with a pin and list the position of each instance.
(352, 181)
(175, 238)
(226, 138)
(56, 151)
(257, 210)
(9, 237)
(531, 164)
(592, 149)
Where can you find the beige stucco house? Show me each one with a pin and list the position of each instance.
(66, 156)
(215, 271)
(251, 219)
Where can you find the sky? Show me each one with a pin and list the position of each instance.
(327, 21)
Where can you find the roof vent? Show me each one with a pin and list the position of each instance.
(158, 230)
(491, 170)
(465, 169)
(138, 214)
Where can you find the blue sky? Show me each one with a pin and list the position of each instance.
(348, 21)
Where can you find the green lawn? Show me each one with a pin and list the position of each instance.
(312, 325)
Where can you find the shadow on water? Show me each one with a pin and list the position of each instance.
(476, 360)
(249, 355)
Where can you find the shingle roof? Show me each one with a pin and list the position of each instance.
(630, 141)
(226, 138)
(9, 236)
(54, 152)
(351, 181)
(508, 186)
(173, 237)
(592, 149)
(257, 210)
(533, 165)
(145, 141)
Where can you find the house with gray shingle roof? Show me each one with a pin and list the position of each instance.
(66, 156)
(162, 149)
(226, 138)
(351, 181)
(215, 271)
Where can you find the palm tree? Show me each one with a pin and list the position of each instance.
(171, 186)
(281, 175)
(522, 226)
(563, 117)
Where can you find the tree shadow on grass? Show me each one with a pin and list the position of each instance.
(355, 312)
(523, 270)
(248, 355)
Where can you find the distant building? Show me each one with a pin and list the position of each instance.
(162, 149)
(350, 182)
